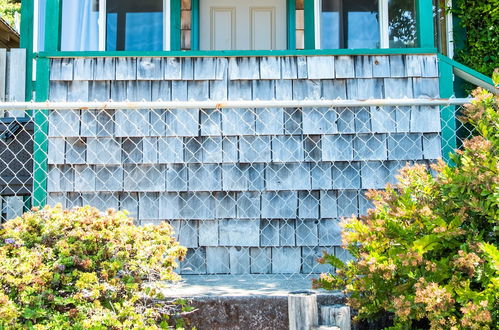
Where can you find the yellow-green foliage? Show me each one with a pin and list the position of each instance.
(8, 10)
(84, 269)
(427, 252)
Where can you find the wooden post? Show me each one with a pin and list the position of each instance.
(424, 18)
(302, 309)
(336, 315)
(309, 24)
(447, 113)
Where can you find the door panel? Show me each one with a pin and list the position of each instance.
(263, 28)
(242, 24)
(222, 28)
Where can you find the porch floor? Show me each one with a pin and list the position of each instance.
(241, 285)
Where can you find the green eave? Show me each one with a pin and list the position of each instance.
(240, 53)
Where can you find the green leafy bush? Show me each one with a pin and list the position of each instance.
(427, 252)
(84, 269)
(8, 8)
(480, 20)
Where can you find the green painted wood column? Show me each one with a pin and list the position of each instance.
(175, 24)
(27, 37)
(291, 23)
(448, 113)
(195, 25)
(425, 23)
(27, 14)
(41, 117)
(40, 147)
(309, 9)
(53, 25)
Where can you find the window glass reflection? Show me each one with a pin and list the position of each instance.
(349, 24)
(134, 25)
(402, 23)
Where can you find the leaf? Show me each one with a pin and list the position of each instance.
(426, 243)
(334, 261)
(493, 254)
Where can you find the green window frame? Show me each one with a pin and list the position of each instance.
(424, 14)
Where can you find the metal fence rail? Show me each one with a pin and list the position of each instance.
(405, 102)
(251, 187)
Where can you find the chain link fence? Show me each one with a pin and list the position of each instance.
(249, 187)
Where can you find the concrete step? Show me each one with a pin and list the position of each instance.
(325, 327)
(242, 302)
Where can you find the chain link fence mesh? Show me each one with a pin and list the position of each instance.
(247, 190)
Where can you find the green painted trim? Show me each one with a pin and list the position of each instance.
(447, 114)
(175, 25)
(465, 69)
(27, 14)
(195, 25)
(291, 23)
(26, 203)
(241, 53)
(309, 9)
(40, 148)
(425, 23)
(53, 25)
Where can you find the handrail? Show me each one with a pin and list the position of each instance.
(470, 75)
(230, 104)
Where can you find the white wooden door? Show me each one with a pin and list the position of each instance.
(242, 24)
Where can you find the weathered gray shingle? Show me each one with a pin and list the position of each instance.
(239, 260)
(126, 68)
(279, 205)
(291, 176)
(239, 233)
(261, 260)
(270, 67)
(287, 148)
(105, 68)
(308, 205)
(337, 147)
(244, 68)
(345, 67)
(328, 204)
(307, 232)
(319, 121)
(286, 260)
(329, 232)
(321, 67)
(217, 260)
(149, 68)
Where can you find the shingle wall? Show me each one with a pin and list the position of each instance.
(247, 190)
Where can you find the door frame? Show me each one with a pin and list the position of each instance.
(195, 23)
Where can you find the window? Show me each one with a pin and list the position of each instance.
(402, 23)
(349, 24)
(366, 24)
(80, 25)
(114, 25)
(134, 25)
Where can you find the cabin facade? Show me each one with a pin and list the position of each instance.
(249, 190)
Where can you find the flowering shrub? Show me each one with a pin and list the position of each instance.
(84, 269)
(427, 253)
